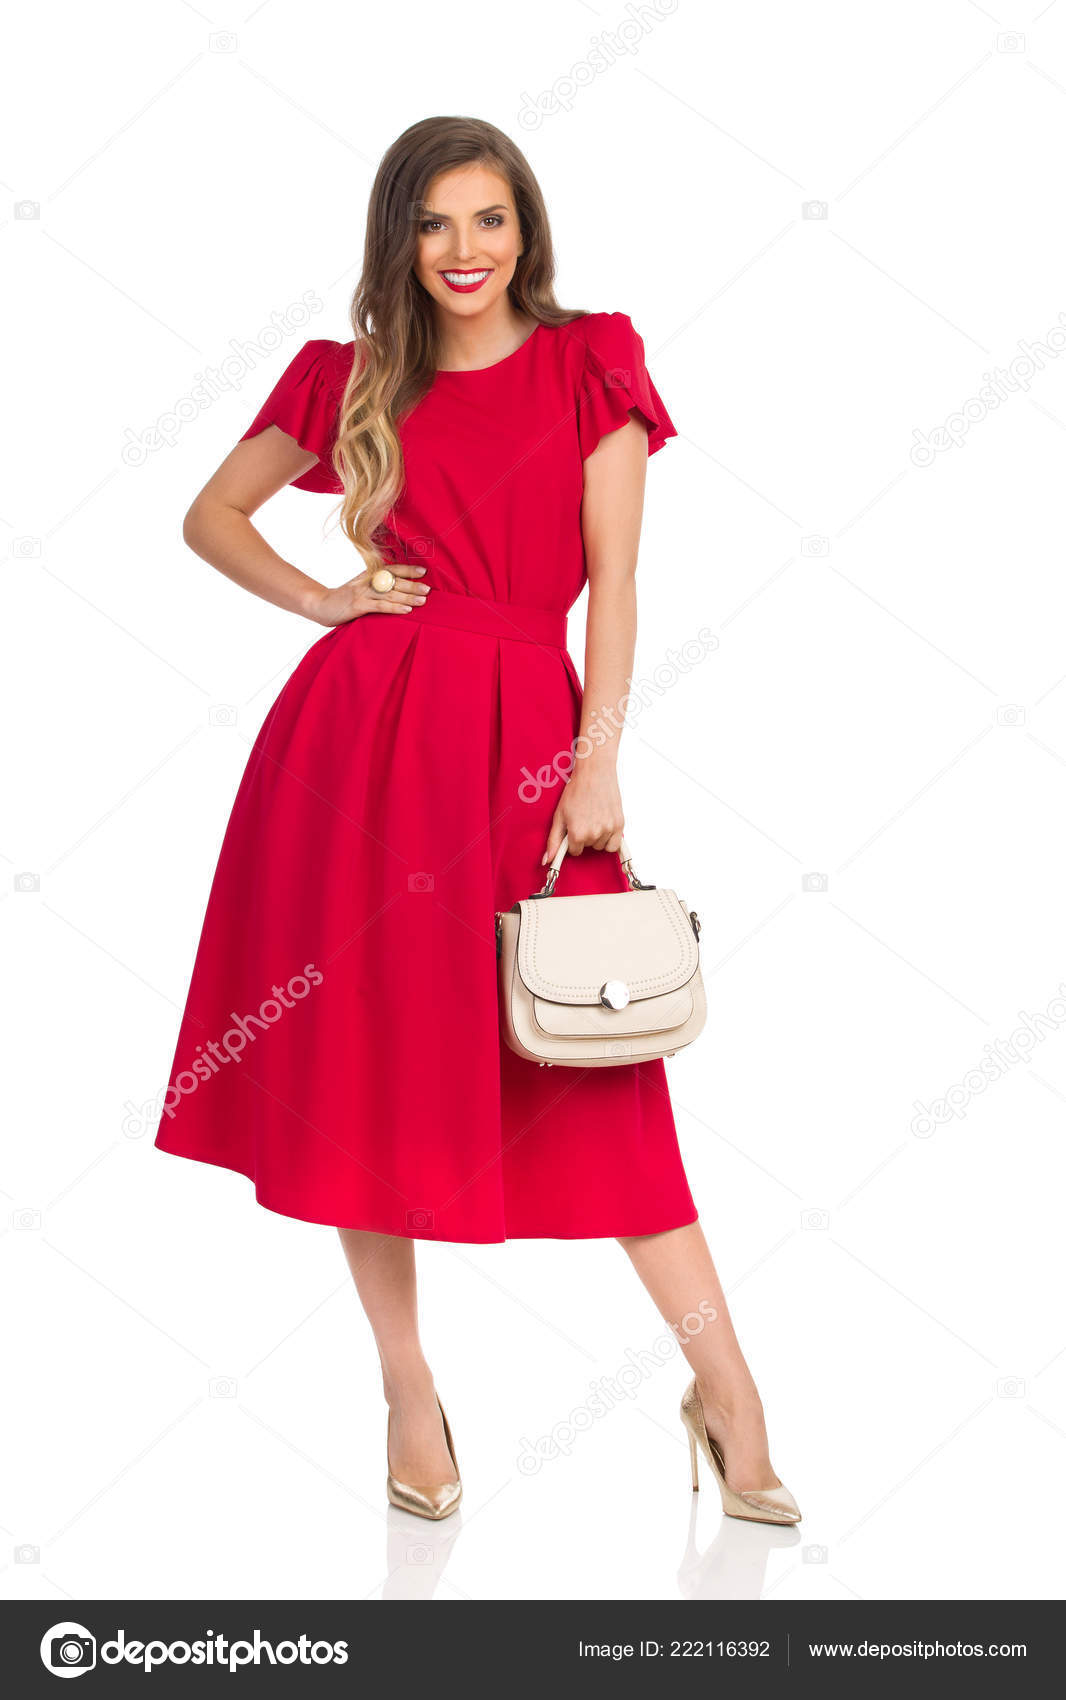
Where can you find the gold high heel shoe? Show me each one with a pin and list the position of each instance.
(760, 1505)
(436, 1501)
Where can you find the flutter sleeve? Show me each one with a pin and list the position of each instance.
(615, 379)
(305, 404)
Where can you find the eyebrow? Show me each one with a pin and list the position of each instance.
(427, 212)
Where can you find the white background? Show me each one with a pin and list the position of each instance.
(193, 1389)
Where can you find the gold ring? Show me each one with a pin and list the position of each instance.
(382, 581)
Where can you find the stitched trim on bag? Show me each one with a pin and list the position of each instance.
(527, 953)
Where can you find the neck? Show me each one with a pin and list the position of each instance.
(466, 344)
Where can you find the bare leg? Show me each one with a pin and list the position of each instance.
(679, 1274)
(383, 1269)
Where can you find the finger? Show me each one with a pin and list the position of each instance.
(395, 601)
(407, 578)
(555, 838)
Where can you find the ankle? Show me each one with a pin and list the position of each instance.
(409, 1380)
(730, 1401)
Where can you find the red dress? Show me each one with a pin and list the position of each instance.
(340, 1044)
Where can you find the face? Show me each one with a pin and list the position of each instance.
(469, 240)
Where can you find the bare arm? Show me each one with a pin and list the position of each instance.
(218, 527)
(590, 809)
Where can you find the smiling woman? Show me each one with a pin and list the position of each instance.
(471, 253)
(490, 448)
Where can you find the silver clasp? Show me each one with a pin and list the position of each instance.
(549, 884)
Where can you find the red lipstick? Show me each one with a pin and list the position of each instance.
(477, 278)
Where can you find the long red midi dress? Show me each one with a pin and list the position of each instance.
(340, 1044)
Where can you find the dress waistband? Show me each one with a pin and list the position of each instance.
(492, 619)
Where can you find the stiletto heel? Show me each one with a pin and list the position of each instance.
(693, 1457)
(757, 1505)
(435, 1501)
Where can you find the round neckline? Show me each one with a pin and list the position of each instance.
(472, 371)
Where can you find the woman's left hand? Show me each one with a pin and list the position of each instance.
(589, 812)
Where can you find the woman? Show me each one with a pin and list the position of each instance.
(340, 1045)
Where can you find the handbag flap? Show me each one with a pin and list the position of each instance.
(569, 947)
(662, 1014)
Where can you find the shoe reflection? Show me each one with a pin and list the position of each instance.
(417, 1551)
(733, 1566)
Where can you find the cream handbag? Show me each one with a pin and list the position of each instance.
(592, 982)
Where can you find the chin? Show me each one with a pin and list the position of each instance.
(468, 306)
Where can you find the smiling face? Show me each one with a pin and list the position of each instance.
(469, 240)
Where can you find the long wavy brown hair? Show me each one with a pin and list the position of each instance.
(393, 317)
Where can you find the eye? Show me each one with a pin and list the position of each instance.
(493, 219)
(428, 223)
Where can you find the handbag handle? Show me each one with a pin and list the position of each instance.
(624, 856)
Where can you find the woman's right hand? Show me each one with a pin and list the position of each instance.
(350, 601)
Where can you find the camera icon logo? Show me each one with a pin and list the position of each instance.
(420, 882)
(419, 1219)
(68, 1649)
